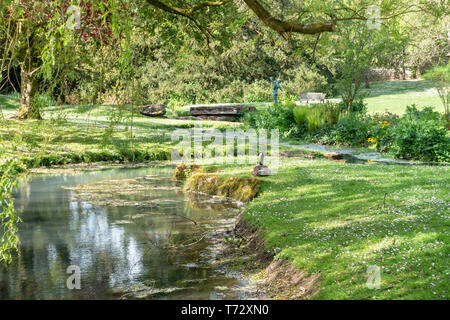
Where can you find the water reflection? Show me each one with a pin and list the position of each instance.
(122, 248)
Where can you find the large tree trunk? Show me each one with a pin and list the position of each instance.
(29, 108)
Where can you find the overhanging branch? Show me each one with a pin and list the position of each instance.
(189, 12)
(186, 12)
(284, 28)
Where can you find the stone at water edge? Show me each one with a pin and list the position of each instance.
(154, 110)
(260, 171)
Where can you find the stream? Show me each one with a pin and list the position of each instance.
(132, 232)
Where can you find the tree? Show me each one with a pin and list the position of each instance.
(440, 76)
(38, 36)
(355, 52)
(352, 53)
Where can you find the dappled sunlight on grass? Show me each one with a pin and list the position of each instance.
(394, 96)
(339, 219)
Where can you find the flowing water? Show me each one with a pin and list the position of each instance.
(132, 233)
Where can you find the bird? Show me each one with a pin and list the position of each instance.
(261, 170)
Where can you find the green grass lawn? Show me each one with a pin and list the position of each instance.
(103, 131)
(9, 102)
(74, 132)
(394, 96)
(333, 219)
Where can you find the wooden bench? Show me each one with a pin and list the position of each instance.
(314, 97)
(227, 112)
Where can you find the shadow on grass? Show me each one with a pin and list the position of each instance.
(9, 102)
(330, 221)
(382, 88)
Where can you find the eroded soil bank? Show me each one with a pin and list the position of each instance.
(244, 253)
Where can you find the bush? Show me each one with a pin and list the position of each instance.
(381, 137)
(183, 111)
(350, 130)
(175, 103)
(279, 117)
(421, 134)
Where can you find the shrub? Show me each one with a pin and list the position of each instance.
(421, 134)
(350, 130)
(175, 103)
(183, 111)
(381, 137)
(279, 117)
(257, 91)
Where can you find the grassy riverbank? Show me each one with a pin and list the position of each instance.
(336, 220)
(328, 218)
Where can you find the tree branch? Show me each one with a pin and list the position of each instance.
(186, 12)
(284, 28)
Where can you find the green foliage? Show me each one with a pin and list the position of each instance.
(350, 130)
(186, 72)
(418, 135)
(175, 103)
(381, 136)
(440, 76)
(316, 115)
(277, 116)
(301, 114)
(183, 111)
(421, 134)
(359, 107)
(315, 119)
(8, 216)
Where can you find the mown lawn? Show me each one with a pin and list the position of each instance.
(97, 132)
(394, 96)
(338, 219)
